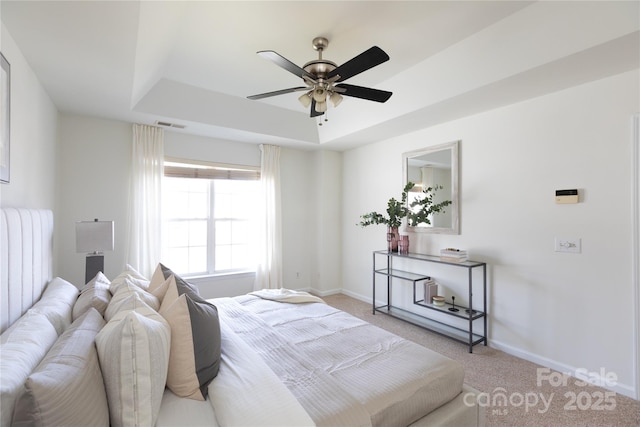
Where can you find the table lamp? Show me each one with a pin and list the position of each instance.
(93, 238)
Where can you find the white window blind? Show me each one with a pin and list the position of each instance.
(177, 169)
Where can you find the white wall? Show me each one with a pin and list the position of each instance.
(93, 182)
(328, 227)
(566, 311)
(298, 205)
(33, 136)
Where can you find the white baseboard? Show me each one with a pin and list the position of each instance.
(362, 298)
(357, 296)
(321, 293)
(624, 389)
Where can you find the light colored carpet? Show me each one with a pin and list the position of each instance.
(509, 384)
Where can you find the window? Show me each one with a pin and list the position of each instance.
(209, 218)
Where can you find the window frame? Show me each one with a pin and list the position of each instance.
(197, 169)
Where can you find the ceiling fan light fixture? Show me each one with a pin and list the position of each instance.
(321, 107)
(320, 95)
(336, 99)
(305, 99)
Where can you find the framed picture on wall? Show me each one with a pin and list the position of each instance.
(5, 115)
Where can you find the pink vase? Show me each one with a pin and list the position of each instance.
(403, 245)
(392, 239)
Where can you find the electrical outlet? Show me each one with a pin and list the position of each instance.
(573, 245)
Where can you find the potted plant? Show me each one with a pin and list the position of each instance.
(397, 210)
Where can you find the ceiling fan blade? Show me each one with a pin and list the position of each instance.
(277, 92)
(283, 62)
(365, 92)
(366, 60)
(314, 113)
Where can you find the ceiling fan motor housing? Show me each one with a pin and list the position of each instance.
(319, 68)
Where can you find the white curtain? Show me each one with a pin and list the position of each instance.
(145, 204)
(269, 270)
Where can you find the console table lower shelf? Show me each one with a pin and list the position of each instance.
(461, 335)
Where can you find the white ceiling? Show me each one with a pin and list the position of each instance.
(194, 62)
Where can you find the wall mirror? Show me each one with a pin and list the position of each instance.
(435, 166)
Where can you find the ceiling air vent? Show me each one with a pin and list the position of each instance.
(169, 125)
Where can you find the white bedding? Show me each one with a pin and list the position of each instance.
(245, 392)
(264, 399)
(286, 295)
(338, 369)
(179, 412)
(310, 364)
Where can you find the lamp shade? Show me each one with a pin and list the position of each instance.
(336, 99)
(94, 236)
(305, 99)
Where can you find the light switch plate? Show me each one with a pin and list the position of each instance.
(572, 245)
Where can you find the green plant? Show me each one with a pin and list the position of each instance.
(399, 209)
(427, 208)
(396, 211)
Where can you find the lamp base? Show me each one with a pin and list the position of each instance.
(94, 264)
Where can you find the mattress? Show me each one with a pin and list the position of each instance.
(311, 364)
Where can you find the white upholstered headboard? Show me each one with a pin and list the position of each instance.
(26, 260)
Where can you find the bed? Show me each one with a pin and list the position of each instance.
(149, 351)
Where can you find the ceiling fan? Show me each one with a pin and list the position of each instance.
(323, 78)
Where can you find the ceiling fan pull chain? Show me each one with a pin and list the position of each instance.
(326, 118)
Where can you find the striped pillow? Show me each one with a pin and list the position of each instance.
(66, 389)
(133, 275)
(123, 292)
(57, 303)
(133, 349)
(22, 347)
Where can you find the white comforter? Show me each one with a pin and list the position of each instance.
(310, 364)
(248, 393)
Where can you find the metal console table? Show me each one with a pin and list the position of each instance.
(465, 336)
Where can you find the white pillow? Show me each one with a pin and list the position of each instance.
(133, 275)
(57, 303)
(66, 389)
(133, 348)
(125, 290)
(22, 347)
(94, 294)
